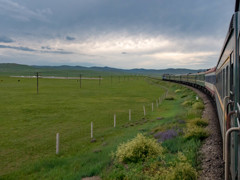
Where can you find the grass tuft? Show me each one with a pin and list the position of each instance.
(198, 105)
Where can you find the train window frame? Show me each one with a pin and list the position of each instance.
(223, 83)
(231, 72)
(227, 81)
(220, 84)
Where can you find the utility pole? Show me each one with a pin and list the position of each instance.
(37, 75)
(80, 80)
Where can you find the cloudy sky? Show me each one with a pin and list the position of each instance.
(117, 33)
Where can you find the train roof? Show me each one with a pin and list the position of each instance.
(210, 70)
(229, 33)
(230, 30)
(237, 6)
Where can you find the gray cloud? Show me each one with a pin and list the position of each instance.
(43, 27)
(5, 39)
(17, 48)
(57, 52)
(70, 38)
(46, 47)
(134, 16)
(21, 13)
(34, 50)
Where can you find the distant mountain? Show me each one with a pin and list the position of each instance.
(64, 70)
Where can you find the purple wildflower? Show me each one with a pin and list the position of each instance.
(165, 135)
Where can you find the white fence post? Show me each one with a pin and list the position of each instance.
(57, 143)
(91, 129)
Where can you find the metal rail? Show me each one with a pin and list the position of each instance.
(224, 122)
(228, 133)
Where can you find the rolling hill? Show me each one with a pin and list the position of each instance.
(11, 69)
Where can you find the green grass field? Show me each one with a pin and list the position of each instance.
(29, 123)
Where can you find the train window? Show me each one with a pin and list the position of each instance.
(227, 82)
(231, 77)
(220, 84)
(223, 84)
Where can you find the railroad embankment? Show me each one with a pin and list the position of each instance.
(211, 150)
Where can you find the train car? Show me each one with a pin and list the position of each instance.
(191, 78)
(227, 97)
(210, 81)
(200, 79)
(184, 78)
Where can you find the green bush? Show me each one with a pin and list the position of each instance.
(138, 149)
(184, 95)
(195, 132)
(178, 90)
(170, 98)
(200, 122)
(182, 171)
(198, 105)
(187, 103)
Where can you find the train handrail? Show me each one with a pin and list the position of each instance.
(229, 118)
(224, 121)
(228, 133)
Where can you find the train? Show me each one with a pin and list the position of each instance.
(222, 83)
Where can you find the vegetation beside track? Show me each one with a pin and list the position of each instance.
(179, 135)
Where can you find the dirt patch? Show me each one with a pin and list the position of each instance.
(212, 164)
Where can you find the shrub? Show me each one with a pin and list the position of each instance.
(200, 122)
(187, 103)
(198, 105)
(170, 98)
(195, 132)
(184, 95)
(182, 170)
(138, 149)
(178, 90)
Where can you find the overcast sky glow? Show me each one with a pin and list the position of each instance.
(117, 33)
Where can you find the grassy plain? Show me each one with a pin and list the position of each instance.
(29, 123)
